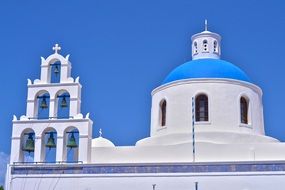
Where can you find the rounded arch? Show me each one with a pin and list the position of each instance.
(201, 107)
(205, 45)
(54, 64)
(49, 65)
(215, 44)
(195, 49)
(41, 104)
(53, 58)
(54, 71)
(62, 104)
(49, 142)
(71, 144)
(27, 145)
(162, 112)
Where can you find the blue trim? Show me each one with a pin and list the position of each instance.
(207, 68)
(147, 168)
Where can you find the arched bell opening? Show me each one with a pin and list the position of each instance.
(62, 104)
(42, 105)
(49, 142)
(54, 72)
(71, 144)
(27, 146)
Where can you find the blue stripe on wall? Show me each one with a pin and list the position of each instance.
(147, 168)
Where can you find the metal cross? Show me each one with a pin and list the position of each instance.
(206, 24)
(56, 48)
(100, 132)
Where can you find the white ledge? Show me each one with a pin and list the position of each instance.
(207, 80)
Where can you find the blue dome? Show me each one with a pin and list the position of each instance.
(206, 68)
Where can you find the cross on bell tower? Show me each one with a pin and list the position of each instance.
(56, 48)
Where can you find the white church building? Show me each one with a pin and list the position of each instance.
(206, 133)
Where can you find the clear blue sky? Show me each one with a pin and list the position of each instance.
(123, 49)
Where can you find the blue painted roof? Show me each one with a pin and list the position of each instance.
(206, 68)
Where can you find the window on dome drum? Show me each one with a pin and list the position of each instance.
(163, 113)
(195, 47)
(201, 108)
(205, 45)
(243, 110)
(215, 46)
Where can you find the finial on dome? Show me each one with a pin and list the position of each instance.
(206, 44)
(56, 48)
(206, 25)
(100, 132)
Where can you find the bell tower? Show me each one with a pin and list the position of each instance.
(53, 124)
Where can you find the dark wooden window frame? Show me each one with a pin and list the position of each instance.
(201, 108)
(163, 105)
(243, 110)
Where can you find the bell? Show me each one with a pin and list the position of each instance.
(71, 142)
(43, 103)
(50, 143)
(63, 102)
(56, 70)
(30, 144)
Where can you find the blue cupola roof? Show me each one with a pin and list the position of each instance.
(206, 62)
(206, 68)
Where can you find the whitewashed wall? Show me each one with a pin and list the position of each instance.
(224, 106)
(213, 181)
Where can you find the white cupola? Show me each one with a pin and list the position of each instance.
(101, 142)
(206, 45)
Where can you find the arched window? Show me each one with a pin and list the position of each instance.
(201, 108)
(243, 110)
(195, 47)
(205, 45)
(163, 113)
(215, 46)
